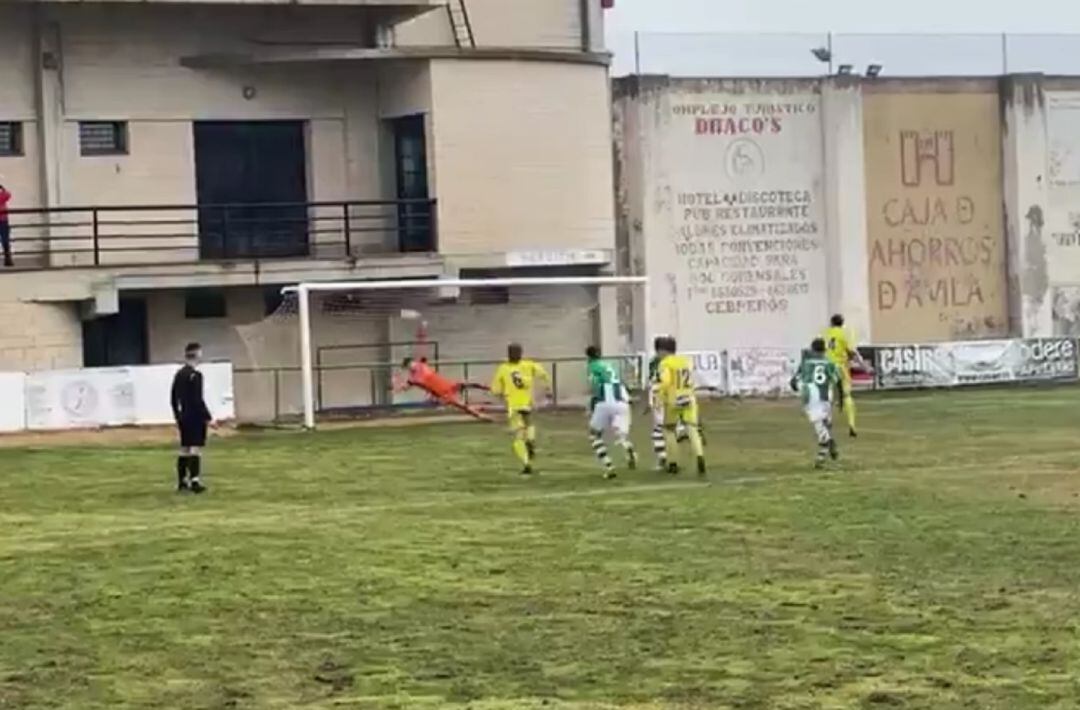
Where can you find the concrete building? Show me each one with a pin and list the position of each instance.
(925, 210)
(173, 164)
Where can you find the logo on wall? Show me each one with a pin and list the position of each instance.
(920, 150)
(744, 158)
(79, 399)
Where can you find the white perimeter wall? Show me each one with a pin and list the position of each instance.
(1058, 260)
(99, 397)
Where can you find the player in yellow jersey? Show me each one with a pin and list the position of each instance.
(841, 350)
(676, 391)
(515, 381)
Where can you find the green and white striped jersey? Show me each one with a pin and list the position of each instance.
(816, 379)
(606, 383)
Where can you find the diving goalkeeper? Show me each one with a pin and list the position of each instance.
(417, 372)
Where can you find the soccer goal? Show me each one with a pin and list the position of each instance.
(341, 347)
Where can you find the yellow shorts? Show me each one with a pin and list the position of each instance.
(520, 418)
(675, 414)
(845, 380)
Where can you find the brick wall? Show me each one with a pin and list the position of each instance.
(39, 336)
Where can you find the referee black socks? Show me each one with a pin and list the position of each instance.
(181, 471)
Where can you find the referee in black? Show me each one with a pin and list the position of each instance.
(192, 418)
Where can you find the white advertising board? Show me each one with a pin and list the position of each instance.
(153, 386)
(709, 371)
(119, 396)
(12, 401)
(973, 363)
(761, 372)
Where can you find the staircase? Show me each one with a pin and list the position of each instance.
(460, 24)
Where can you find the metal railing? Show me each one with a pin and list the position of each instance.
(273, 394)
(162, 234)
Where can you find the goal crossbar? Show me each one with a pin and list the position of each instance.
(304, 290)
(467, 283)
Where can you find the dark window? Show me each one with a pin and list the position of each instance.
(11, 142)
(489, 296)
(251, 183)
(205, 303)
(119, 339)
(103, 138)
(415, 226)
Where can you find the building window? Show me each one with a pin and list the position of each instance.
(103, 137)
(489, 296)
(205, 303)
(11, 143)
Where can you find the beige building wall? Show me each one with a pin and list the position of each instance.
(519, 152)
(522, 155)
(537, 24)
(124, 63)
(404, 89)
(20, 174)
(935, 211)
(17, 93)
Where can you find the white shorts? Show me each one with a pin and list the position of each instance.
(818, 411)
(611, 416)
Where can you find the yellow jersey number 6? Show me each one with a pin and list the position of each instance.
(517, 379)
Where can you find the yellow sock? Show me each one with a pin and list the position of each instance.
(521, 451)
(530, 433)
(849, 410)
(696, 443)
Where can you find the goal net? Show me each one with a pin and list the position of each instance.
(338, 349)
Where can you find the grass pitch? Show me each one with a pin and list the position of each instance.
(937, 567)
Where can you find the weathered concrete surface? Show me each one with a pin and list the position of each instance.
(1061, 235)
(1024, 149)
(722, 202)
(934, 205)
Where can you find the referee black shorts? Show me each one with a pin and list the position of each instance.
(192, 433)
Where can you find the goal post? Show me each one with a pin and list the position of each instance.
(407, 299)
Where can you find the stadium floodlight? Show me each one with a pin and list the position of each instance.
(845, 70)
(873, 71)
(566, 313)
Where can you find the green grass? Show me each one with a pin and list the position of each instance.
(937, 567)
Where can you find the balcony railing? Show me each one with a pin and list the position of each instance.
(171, 234)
